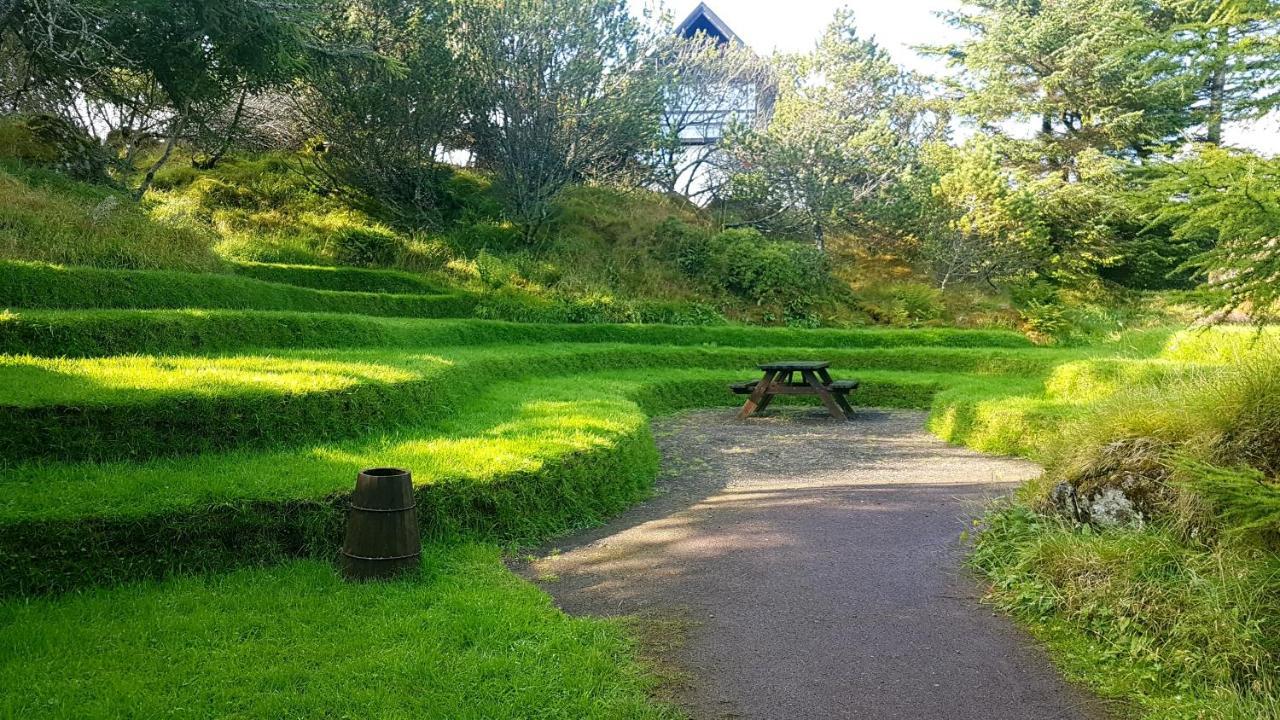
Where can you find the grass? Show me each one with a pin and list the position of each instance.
(33, 285)
(88, 333)
(47, 218)
(1176, 631)
(176, 448)
(462, 639)
(343, 279)
(1179, 617)
(142, 406)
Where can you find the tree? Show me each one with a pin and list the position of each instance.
(1082, 71)
(1232, 198)
(388, 103)
(706, 89)
(166, 64)
(982, 225)
(203, 53)
(847, 122)
(562, 91)
(1231, 50)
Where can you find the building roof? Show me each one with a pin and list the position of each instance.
(703, 20)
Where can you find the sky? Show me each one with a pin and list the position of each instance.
(898, 25)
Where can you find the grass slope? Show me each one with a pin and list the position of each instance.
(90, 333)
(34, 285)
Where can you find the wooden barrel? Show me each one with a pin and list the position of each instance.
(382, 526)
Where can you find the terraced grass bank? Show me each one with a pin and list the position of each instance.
(184, 471)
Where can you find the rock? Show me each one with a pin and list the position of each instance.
(1111, 508)
(1066, 502)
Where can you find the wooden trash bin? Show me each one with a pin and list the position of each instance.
(382, 526)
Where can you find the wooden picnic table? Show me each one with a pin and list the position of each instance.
(780, 379)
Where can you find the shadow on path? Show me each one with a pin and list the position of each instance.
(818, 565)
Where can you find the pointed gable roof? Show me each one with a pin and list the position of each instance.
(703, 20)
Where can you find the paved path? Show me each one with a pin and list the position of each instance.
(817, 565)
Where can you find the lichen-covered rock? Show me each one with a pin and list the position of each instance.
(1112, 508)
(1125, 484)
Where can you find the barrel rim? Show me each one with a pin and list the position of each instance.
(384, 472)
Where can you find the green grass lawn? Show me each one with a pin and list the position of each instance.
(462, 639)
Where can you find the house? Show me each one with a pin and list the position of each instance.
(701, 115)
(703, 20)
(716, 96)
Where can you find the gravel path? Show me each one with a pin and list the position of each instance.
(815, 568)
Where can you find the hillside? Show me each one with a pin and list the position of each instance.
(611, 256)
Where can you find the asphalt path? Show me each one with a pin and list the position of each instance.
(814, 569)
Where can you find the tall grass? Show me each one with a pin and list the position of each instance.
(1181, 616)
(41, 220)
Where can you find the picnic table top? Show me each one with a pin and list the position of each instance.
(785, 365)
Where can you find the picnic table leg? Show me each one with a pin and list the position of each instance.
(822, 392)
(760, 396)
(840, 399)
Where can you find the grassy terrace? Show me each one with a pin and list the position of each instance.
(174, 481)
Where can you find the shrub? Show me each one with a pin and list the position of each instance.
(689, 247)
(767, 271)
(1041, 309)
(902, 303)
(51, 142)
(366, 246)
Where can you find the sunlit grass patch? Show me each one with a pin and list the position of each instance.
(462, 639)
(28, 381)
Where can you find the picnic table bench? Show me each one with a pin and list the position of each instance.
(780, 379)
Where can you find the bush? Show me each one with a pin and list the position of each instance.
(689, 247)
(51, 142)
(366, 246)
(790, 275)
(902, 303)
(1043, 313)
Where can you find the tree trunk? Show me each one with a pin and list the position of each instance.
(210, 162)
(1217, 89)
(159, 163)
(819, 237)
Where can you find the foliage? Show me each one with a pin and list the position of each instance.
(1080, 69)
(384, 108)
(994, 231)
(1230, 199)
(92, 63)
(1229, 50)
(845, 125)
(366, 247)
(902, 303)
(560, 92)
